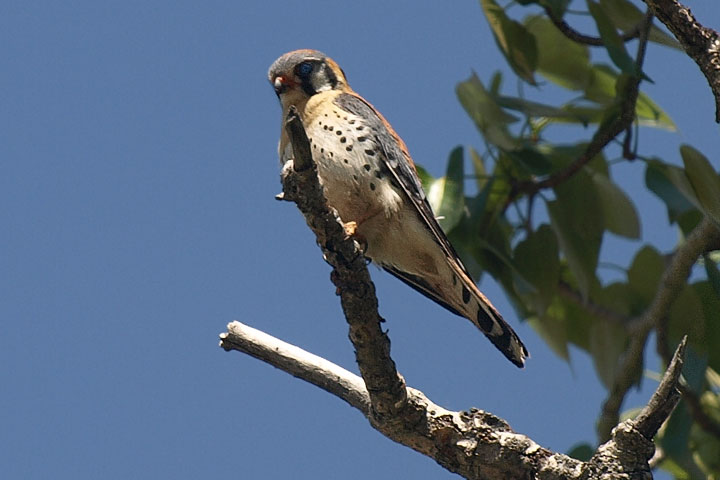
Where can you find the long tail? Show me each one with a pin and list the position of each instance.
(462, 297)
(486, 317)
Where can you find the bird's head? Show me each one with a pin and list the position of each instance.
(300, 74)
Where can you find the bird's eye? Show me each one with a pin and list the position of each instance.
(304, 69)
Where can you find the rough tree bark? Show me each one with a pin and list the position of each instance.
(474, 444)
(701, 43)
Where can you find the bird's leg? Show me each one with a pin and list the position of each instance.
(352, 227)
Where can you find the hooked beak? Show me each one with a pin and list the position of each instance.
(281, 84)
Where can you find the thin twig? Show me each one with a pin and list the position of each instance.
(600, 311)
(578, 37)
(606, 133)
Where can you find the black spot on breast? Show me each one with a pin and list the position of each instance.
(361, 139)
(331, 128)
(325, 127)
(349, 148)
(379, 175)
(338, 132)
(351, 122)
(346, 161)
(355, 177)
(322, 150)
(343, 139)
(359, 127)
(465, 294)
(370, 152)
(367, 167)
(372, 186)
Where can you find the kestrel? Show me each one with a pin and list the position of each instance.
(369, 178)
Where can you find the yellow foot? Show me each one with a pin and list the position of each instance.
(350, 228)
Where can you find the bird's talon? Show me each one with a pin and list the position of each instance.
(350, 229)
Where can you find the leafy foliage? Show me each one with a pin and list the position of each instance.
(538, 213)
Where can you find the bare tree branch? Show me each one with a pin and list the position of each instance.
(671, 284)
(350, 274)
(298, 363)
(474, 444)
(701, 43)
(665, 398)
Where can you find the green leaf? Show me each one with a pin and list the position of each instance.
(532, 109)
(607, 344)
(687, 317)
(619, 213)
(582, 113)
(557, 7)
(645, 271)
(675, 441)
(425, 178)
(446, 193)
(560, 60)
(496, 83)
(530, 160)
(552, 327)
(582, 452)
(563, 155)
(710, 300)
(704, 180)
(489, 118)
(479, 168)
(578, 321)
(651, 115)
(612, 41)
(658, 180)
(706, 446)
(619, 297)
(601, 88)
(576, 219)
(514, 40)
(627, 17)
(713, 274)
(536, 257)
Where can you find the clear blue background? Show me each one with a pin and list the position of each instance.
(137, 173)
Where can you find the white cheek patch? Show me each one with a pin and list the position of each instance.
(321, 82)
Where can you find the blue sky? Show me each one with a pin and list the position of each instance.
(138, 146)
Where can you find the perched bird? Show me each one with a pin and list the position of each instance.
(369, 178)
